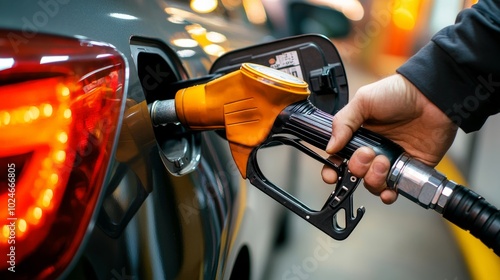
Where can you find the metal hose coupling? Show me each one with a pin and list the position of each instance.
(163, 112)
(420, 183)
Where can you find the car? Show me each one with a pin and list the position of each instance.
(90, 188)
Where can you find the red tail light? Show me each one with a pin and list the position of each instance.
(60, 106)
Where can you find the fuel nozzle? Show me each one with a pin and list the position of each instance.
(163, 112)
(257, 105)
(245, 103)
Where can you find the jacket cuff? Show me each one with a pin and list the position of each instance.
(446, 85)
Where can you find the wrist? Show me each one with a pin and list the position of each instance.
(428, 108)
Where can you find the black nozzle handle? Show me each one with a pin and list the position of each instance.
(416, 181)
(314, 126)
(471, 212)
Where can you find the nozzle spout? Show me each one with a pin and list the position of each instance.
(163, 112)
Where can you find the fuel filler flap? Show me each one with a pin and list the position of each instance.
(311, 57)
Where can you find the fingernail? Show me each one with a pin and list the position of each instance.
(364, 158)
(379, 168)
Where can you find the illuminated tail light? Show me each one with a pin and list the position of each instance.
(60, 105)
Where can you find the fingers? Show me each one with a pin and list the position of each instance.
(360, 161)
(345, 123)
(388, 196)
(377, 173)
(329, 175)
(365, 164)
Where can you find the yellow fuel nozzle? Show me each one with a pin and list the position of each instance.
(245, 103)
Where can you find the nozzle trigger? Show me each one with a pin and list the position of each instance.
(341, 198)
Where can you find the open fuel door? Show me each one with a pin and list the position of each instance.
(312, 58)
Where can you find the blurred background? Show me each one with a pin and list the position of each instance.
(400, 241)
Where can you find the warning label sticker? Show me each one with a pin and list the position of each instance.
(288, 62)
(294, 70)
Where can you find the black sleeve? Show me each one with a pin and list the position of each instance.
(459, 70)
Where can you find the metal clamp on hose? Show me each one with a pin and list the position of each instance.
(420, 183)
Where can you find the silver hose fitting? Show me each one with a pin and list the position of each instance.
(420, 183)
(163, 112)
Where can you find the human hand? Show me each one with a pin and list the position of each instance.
(396, 109)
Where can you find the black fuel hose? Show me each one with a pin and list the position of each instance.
(472, 212)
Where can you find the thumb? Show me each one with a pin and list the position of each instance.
(345, 123)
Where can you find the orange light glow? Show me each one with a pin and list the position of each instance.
(47, 110)
(59, 156)
(67, 113)
(34, 112)
(62, 137)
(22, 226)
(63, 91)
(37, 213)
(54, 178)
(48, 118)
(5, 118)
(5, 233)
(403, 19)
(43, 169)
(405, 13)
(47, 197)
